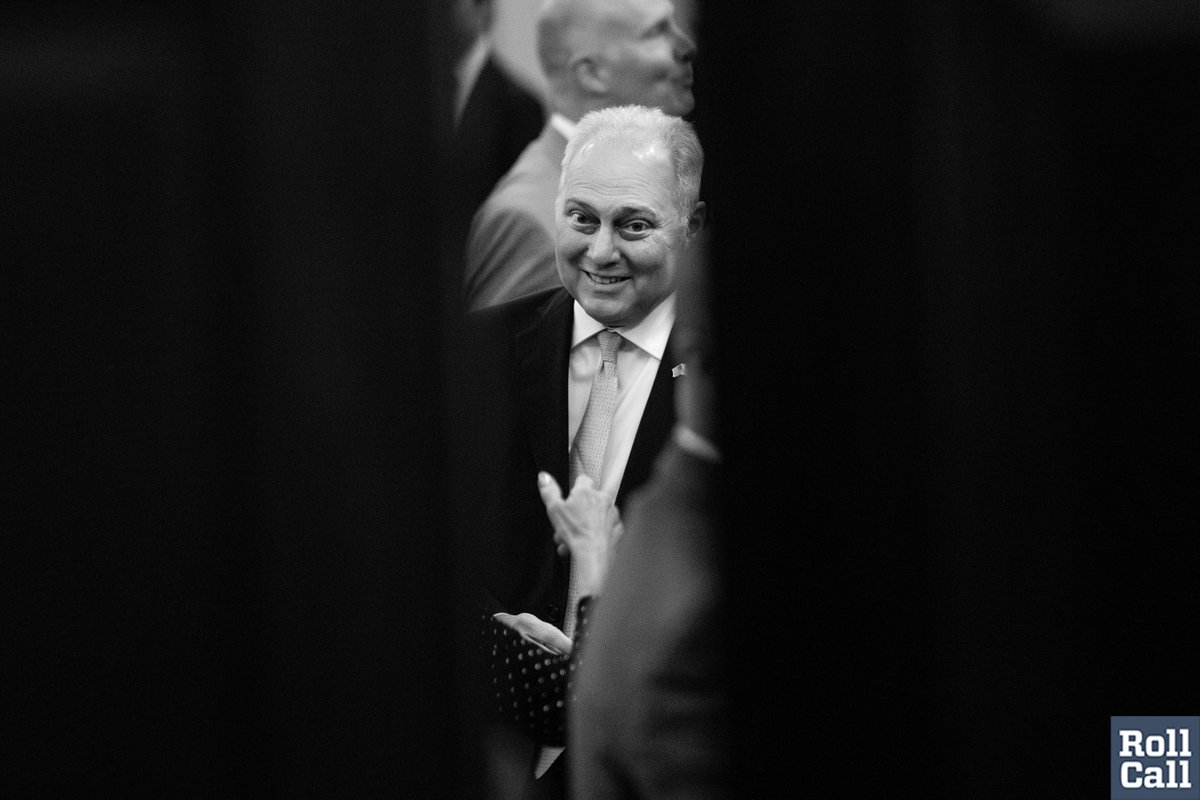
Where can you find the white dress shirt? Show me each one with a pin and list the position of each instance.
(642, 349)
(562, 125)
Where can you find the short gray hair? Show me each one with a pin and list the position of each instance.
(639, 123)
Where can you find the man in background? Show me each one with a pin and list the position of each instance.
(487, 117)
(595, 54)
(495, 117)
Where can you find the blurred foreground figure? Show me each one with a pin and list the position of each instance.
(595, 54)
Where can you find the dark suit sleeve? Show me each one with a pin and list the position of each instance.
(529, 686)
(684, 724)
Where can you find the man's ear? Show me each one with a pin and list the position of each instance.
(591, 75)
(696, 220)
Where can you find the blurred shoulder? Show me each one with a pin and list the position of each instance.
(521, 312)
(494, 338)
(536, 168)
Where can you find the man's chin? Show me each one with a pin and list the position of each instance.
(606, 311)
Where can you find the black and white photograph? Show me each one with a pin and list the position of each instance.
(601, 399)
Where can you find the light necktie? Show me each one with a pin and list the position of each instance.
(586, 458)
(591, 440)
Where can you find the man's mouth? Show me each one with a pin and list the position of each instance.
(601, 280)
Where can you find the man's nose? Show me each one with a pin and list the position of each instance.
(603, 248)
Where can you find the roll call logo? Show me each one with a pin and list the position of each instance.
(1155, 757)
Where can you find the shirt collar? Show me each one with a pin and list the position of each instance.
(650, 334)
(563, 125)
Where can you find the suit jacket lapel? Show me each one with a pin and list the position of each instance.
(653, 430)
(543, 352)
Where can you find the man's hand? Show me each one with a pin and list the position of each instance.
(587, 524)
(537, 632)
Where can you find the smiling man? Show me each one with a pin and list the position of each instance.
(621, 215)
(578, 382)
(626, 207)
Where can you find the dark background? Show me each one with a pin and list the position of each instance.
(958, 271)
(956, 246)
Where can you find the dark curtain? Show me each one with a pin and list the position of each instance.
(222, 383)
(956, 250)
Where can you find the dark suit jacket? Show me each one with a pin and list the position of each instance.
(517, 360)
(499, 119)
(519, 427)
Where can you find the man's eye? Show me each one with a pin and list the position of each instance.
(578, 217)
(637, 226)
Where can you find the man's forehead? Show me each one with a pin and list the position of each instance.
(620, 189)
(645, 149)
(622, 166)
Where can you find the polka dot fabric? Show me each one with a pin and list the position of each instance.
(530, 687)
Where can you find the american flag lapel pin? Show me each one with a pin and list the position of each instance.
(678, 369)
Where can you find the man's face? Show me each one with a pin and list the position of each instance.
(648, 57)
(618, 230)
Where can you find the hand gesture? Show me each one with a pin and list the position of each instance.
(586, 524)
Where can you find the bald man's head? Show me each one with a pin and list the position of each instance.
(601, 53)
